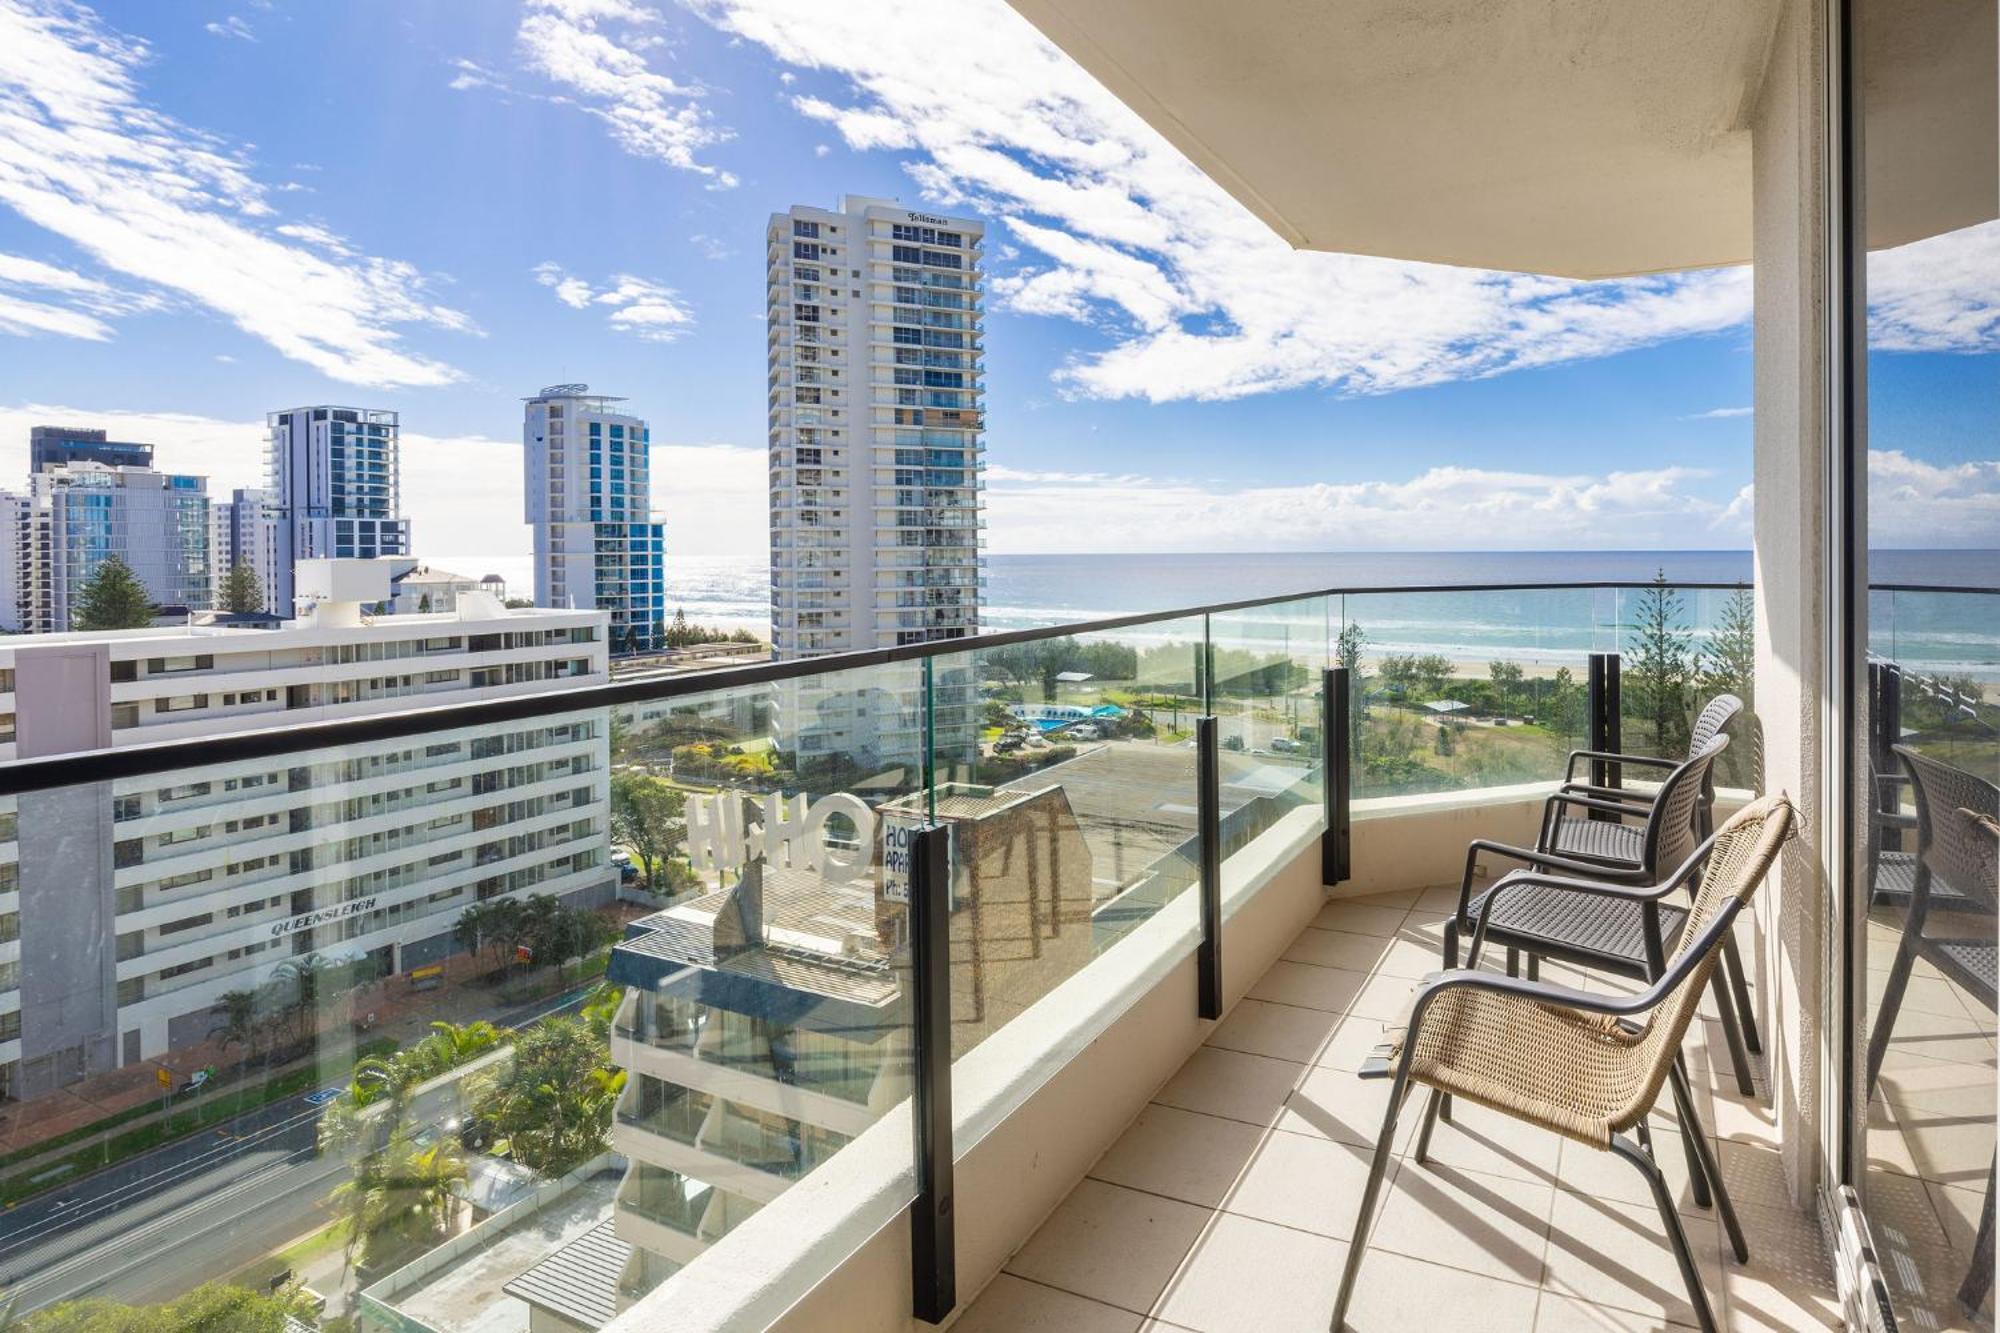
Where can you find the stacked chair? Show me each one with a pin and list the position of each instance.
(1955, 872)
(1586, 833)
(1632, 882)
(1586, 1066)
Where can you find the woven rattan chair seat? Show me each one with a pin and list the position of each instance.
(1571, 1072)
(1601, 840)
(1612, 929)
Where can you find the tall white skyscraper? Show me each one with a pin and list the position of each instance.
(588, 491)
(875, 435)
(337, 475)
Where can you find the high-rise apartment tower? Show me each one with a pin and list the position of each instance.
(875, 426)
(337, 475)
(589, 500)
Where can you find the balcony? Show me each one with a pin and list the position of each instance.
(1229, 1201)
(1118, 1157)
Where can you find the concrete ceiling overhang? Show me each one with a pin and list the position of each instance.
(1581, 138)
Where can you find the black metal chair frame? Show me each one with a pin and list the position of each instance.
(1702, 1167)
(1973, 897)
(1728, 983)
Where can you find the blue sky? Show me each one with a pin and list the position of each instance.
(208, 211)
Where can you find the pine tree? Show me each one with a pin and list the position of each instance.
(1565, 707)
(1729, 666)
(242, 590)
(1347, 653)
(1729, 663)
(113, 598)
(1659, 666)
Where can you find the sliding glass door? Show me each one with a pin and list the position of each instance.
(1922, 914)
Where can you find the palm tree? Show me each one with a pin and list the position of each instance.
(600, 1007)
(237, 1023)
(453, 1044)
(554, 1103)
(401, 1195)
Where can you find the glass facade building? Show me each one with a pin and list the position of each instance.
(589, 501)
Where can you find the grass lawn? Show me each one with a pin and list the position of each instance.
(293, 1258)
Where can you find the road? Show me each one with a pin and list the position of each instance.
(159, 1223)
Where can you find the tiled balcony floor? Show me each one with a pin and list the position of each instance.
(1930, 1132)
(1227, 1206)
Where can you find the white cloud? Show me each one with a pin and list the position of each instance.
(462, 492)
(23, 318)
(64, 303)
(232, 27)
(638, 306)
(1937, 295)
(711, 247)
(715, 498)
(1445, 508)
(1720, 414)
(1915, 503)
(1200, 299)
(20, 271)
(83, 156)
(595, 50)
(471, 74)
(572, 292)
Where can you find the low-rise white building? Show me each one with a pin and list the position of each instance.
(129, 908)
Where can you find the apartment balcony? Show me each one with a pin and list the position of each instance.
(1119, 1157)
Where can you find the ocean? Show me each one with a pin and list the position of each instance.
(1939, 631)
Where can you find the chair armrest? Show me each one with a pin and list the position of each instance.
(1629, 795)
(1515, 879)
(1612, 757)
(1568, 796)
(1555, 860)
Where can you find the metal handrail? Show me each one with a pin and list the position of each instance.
(147, 759)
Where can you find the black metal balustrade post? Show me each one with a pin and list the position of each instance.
(1337, 779)
(1885, 732)
(1605, 722)
(933, 1231)
(1208, 818)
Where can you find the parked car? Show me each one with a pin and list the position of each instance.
(1285, 745)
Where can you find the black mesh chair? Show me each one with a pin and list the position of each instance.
(1715, 715)
(1549, 920)
(1957, 873)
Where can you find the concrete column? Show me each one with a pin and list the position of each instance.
(1790, 183)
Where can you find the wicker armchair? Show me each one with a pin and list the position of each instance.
(1586, 1066)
